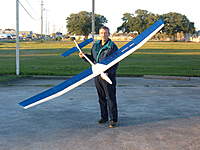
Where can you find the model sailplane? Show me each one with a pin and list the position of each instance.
(95, 69)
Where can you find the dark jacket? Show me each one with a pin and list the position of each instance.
(99, 52)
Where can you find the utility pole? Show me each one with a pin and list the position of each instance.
(17, 38)
(46, 32)
(93, 18)
(42, 4)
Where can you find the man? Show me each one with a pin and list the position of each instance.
(106, 92)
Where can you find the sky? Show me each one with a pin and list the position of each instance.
(56, 12)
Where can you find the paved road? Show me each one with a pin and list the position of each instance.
(155, 114)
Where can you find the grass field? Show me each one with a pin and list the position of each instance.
(154, 58)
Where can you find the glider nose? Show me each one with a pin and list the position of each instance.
(106, 78)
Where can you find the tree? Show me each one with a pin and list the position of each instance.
(139, 21)
(142, 19)
(81, 23)
(127, 23)
(175, 22)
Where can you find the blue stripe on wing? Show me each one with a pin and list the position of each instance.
(74, 49)
(132, 43)
(57, 88)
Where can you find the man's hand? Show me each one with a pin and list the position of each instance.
(80, 54)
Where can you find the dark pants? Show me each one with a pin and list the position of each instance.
(107, 98)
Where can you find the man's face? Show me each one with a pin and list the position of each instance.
(104, 34)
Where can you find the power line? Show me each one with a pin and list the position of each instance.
(31, 6)
(26, 11)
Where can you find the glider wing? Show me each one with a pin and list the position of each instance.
(58, 90)
(96, 69)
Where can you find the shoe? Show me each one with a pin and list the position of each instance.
(102, 121)
(112, 124)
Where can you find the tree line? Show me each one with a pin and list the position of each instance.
(80, 23)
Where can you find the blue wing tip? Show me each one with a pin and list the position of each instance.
(21, 104)
(63, 55)
(161, 21)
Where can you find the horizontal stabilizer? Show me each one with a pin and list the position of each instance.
(74, 49)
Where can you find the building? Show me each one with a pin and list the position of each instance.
(9, 31)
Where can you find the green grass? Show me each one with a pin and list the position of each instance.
(9, 78)
(154, 58)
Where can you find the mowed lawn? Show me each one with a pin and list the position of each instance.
(154, 58)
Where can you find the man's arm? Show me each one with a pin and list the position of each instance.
(89, 56)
